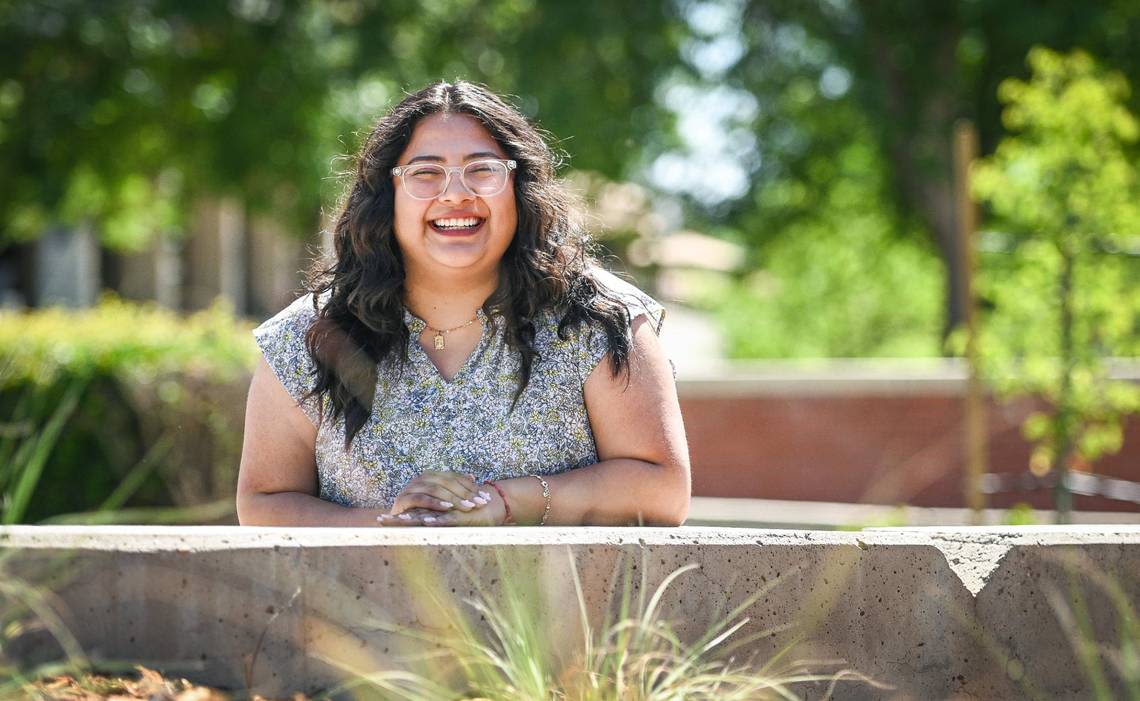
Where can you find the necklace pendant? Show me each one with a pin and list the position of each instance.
(439, 342)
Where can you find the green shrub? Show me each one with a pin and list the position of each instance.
(122, 405)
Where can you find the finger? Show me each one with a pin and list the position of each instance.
(461, 485)
(408, 500)
(445, 497)
(479, 517)
(402, 519)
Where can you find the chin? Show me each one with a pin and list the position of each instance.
(463, 254)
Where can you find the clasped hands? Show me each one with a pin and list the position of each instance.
(445, 499)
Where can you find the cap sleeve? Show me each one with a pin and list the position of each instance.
(636, 303)
(282, 342)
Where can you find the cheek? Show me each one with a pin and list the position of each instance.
(507, 212)
(408, 215)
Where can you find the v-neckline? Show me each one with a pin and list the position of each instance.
(416, 328)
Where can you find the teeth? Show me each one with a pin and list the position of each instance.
(464, 223)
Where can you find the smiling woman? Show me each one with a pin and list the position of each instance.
(463, 361)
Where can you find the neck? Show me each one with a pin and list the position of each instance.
(446, 302)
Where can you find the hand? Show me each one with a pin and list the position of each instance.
(494, 514)
(440, 492)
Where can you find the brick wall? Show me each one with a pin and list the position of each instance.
(875, 441)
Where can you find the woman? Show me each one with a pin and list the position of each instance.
(463, 361)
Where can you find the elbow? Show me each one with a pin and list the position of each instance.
(245, 504)
(681, 514)
(674, 506)
(674, 516)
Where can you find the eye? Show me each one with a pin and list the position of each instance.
(483, 170)
(425, 172)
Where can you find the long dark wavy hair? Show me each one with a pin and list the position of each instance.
(359, 297)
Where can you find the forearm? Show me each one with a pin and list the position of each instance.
(616, 492)
(299, 509)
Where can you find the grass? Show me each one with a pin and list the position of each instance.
(500, 643)
(634, 654)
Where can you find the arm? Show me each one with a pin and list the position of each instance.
(643, 471)
(277, 480)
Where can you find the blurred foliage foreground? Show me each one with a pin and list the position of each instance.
(130, 411)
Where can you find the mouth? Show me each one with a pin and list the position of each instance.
(457, 226)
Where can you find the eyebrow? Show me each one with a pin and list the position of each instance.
(468, 157)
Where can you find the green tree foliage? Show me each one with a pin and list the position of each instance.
(121, 113)
(894, 75)
(1066, 292)
(830, 285)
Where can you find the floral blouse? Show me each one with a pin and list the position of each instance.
(421, 421)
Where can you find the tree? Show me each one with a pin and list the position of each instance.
(1066, 293)
(122, 113)
(895, 75)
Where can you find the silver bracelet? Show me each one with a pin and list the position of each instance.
(546, 496)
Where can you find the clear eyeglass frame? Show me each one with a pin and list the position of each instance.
(447, 171)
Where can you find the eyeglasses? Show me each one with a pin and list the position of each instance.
(427, 181)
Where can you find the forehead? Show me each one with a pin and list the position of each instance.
(451, 137)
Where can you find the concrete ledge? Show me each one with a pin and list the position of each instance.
(842, 377)
(810, 515)
(935, 613)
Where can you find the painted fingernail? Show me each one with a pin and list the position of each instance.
(406, 517)
(485, 495)
(446, 504)
(429, 519)
(480, 501)
(467, 504)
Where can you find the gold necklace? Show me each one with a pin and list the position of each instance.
(440, 343)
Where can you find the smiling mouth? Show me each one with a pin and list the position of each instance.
(461, 226)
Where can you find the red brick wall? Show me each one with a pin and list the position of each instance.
(870, 447)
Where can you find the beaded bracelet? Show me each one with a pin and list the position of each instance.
(546, 496)
(509, 520)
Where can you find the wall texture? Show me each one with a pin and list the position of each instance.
(927, 614)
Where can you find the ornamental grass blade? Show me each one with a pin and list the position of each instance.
(33, 454)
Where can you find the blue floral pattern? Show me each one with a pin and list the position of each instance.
(422, 422)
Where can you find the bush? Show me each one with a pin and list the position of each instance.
(122, 405)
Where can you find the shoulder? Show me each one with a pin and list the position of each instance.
(281, 340)
(587, 342)
(293, 319)
(635, 301)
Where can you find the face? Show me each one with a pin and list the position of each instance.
(457, 232)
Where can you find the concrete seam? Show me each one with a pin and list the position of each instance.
(973, 563)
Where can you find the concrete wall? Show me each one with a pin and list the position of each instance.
(933, 614)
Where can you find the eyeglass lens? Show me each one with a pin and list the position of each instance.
(428, 180)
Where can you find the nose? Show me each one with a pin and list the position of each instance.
(455, 190)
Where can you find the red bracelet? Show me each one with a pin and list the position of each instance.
(510, 520)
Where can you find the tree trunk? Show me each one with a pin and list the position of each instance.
(1063, 422)
(919, 148)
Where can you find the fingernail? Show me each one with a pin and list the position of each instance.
(485, 495)
(467, 504)
(429, 519)
(406, 517)
(446, 504)
(480, 501)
